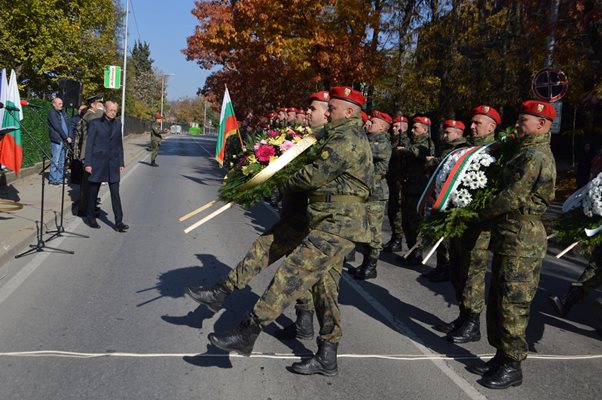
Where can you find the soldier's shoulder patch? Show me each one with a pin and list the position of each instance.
(325, 155)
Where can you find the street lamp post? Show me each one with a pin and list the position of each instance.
(162, 86)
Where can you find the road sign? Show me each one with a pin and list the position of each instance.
(550, 84)
(112, 77)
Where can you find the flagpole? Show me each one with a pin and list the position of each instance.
(125, 65)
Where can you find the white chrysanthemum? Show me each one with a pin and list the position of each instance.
(461, 198)
(592, 202)
(481, 180)
(486, 160)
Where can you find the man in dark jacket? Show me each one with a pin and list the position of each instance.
(104, 162)
(59, 133)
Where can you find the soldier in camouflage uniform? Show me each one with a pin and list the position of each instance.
(381, 153)
(414, 177)
(469, 254)
(156, 139)
(399, 139)
(453, 139)
(275, 243)
(590, 280)
(518, 243)
(339, 180)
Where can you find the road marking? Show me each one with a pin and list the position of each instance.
(280, 356)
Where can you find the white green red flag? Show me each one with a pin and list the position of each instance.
(227, 127)
(11, 148)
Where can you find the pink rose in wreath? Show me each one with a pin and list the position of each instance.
(286, 145)
(264, 152)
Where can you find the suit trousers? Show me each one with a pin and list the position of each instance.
(115, 201)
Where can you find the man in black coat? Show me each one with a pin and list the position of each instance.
(104, 162)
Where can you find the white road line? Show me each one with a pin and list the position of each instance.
(204, 149)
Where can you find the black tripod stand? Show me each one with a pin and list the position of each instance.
(58, 232)
(40, 243)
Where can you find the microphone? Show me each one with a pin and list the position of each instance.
(9, 108)
(26, 103)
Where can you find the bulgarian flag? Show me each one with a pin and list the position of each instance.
(11, 149)
(227, 127)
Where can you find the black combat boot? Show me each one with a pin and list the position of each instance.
(154, 164)
(563, 305)
(508, 374)
(368, 271)
(302, 328)
(469, 331)
(393, 245)
(212, 297)
(324, 362)
(489, 367)
(448, 327)
(240, 339)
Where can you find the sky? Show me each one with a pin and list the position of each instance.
(165, 25)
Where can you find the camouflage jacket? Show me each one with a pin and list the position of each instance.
(401, 140)
(155, 134)
(344, 167)
(415, 172)
(381, 154)
(528, 181)
(472, 141)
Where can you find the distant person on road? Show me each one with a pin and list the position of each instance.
(104, 162)
(156, 139)
(59, 133)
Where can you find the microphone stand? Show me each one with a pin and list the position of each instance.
(58, 232)
(40, 243)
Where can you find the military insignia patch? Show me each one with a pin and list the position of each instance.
(325, 155)
(486, 109)
(540, 107)
(325, 95)
(347, 91)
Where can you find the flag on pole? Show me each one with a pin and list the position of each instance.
(3, 93)
(11, 155)
(227, 127)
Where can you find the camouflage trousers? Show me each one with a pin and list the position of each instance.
(315, 265)
(277, 242)
(410, 218)
(376, 215)
(514, 282)
(591, 278)
(469, 257)
(394, 208)
(154, 150)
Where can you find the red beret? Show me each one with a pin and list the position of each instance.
(319, 96)
(451, 123)
(488, 111)
(422, 120)
(539, 109)
(291, 109)
(400, 118)
(364, 116)
(381, 115)
(283, 109)
(299, 111)
(348, 94)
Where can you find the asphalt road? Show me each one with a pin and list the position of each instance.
(112, 322)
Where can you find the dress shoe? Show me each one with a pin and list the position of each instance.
(93, 224)
(121, 227)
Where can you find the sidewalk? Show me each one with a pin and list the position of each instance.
(18, 229)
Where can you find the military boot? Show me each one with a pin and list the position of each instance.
(489, 367)
(240, 339)
(302, 328)
(154, 164)
(469, 331)
(324, 362)
(212, 297)
(368, 270)
(450, 326)
(393, 245)
(563, 305)
(509, 373)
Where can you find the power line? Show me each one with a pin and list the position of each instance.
(135, 21)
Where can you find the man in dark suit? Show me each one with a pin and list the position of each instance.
(104, 162)
(59, 134)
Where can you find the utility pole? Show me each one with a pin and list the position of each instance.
(125, 64)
